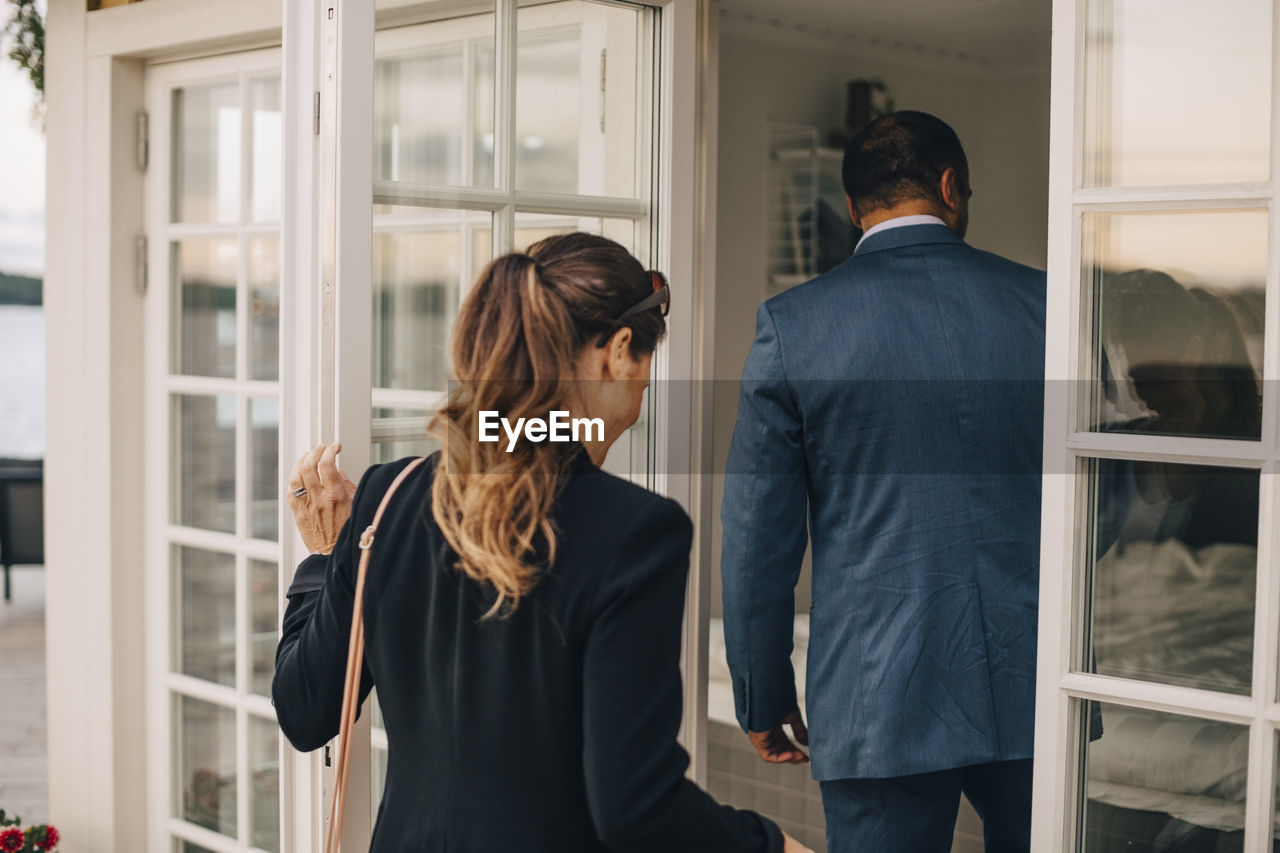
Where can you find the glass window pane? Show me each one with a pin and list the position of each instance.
(264, 765)
(1180, 92)
(483, 95)
(578, 98)
(204, 615)
(264, 459)
(448, 64)
(264, 603)
(1178, 311)
(181, 846)
(265, 149)
(204, 331)
(205, 486)
(1162, 783)
(206, 153)
(418, 274)
(532, 227)
(205, 765)
(1172, 585)
(409, 439)
(264, 308)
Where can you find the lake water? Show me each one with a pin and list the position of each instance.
(21, 381)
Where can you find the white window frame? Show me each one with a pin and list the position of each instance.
(1068, 448)
(329, 48)
(162, 534)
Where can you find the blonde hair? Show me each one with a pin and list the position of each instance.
(515, 341)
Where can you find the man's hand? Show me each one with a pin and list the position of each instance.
(776, 748)
(320, 497)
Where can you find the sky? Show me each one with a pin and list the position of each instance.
(21, 174)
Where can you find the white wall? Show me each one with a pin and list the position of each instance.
(1003, 123)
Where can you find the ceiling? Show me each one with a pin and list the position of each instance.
(987, 33)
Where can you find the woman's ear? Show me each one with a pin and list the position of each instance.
(618, 362)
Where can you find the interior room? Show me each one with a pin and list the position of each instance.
(792, 77)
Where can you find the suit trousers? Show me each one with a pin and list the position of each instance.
(917, 814)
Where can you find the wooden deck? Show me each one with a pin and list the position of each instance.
(24, 774)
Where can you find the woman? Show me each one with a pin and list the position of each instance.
(522, 608)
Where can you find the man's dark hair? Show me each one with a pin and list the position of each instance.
(901, 156)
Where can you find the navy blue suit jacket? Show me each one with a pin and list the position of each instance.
(893, 407)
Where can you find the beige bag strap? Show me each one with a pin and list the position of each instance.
(355, 657)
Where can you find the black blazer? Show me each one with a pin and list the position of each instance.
(551, 730)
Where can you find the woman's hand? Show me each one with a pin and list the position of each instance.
(320, 497)
(790, 845)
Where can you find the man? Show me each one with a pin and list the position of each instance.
(895, 405)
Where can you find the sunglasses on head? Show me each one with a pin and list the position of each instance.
(660, 298)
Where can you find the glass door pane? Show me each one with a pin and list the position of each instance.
(1179, 92)
(1179, 299)
(1163, 783)
(1173, 585)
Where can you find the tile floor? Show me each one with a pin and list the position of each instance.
(788, 794)
(24, 774)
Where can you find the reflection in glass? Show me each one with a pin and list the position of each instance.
(204, 615)
(205, 486)
(205, 765)
(1183, 89)
(1172, 587)
(548, 111)
(264, 459)
(532, 227)
(416, 280)
(265, 149)
(1163, 783)
(206, 153)
(578, 97)
(204, 281)
(180, 846)
(448, 65)
(1179, 307)
(264, 308)
(413, 144)
(482, 139)
(264, 768)
(415, 443)
(264, 598)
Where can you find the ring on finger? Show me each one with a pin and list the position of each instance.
(299, 492)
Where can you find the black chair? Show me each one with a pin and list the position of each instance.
(21, 515)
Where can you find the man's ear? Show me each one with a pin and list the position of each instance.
(853, 214)
(949, 189)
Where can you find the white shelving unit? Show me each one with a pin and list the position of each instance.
(807, 220)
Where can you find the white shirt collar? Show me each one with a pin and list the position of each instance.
(899, 222)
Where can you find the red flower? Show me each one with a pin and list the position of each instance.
(51, 838)
(11, 840)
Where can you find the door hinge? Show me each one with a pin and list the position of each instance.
(328, 758)
(144, 141)
(603, 66)
(315, 114)
(140, 265)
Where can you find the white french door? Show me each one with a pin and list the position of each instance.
(213, 390)
(1157, 711)
(449, 132)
